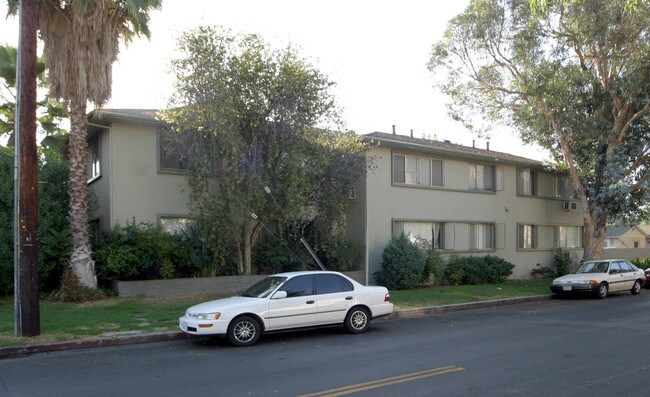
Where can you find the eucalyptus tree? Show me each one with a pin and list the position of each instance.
(573, 77)
(80, 43)
(254, 120)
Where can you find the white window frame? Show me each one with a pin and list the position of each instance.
(94, 160)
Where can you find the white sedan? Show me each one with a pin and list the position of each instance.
(601, 277)
(289, 300)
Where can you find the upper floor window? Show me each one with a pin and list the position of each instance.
(527, 182)
(170, 155)
(414, 170)
(564, 187)
(94, 167)
(481, 177)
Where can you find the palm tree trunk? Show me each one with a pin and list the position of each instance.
(81, 261)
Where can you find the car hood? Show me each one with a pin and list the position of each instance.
(222, 304)
(579, 277)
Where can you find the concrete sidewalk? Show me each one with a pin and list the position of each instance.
(168, 336)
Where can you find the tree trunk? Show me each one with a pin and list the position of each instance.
(81, 261)
(251, 233)
(594, 234)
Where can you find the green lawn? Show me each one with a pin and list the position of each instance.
(116, 317)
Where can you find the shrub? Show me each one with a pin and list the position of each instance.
(434, 264)
(341, 254)
(561, 265)
(403, 264)
(641, 263)
(464, 270)
(142, 252)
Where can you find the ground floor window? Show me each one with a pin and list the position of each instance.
(175, 224)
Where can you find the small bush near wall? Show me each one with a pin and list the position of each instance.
(463, 270)
(561, 265)
(641, 263)
(142, 252)
(402, 265)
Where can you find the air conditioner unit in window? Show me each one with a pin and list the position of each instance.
(569, 205)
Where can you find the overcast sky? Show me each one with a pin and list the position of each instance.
(375, 50)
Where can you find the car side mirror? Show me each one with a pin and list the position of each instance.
(280, 295)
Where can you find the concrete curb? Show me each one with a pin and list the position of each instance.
(169, 336)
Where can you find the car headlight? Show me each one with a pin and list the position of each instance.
(208, 316)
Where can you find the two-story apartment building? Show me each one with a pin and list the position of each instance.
(131, 174)
(464, 200)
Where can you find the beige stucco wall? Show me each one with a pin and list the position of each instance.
(455, 203)
(138, 190)
(632, 236)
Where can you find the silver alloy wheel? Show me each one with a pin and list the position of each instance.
(244, 331)
(636, 288)
(602, 291)
(358, 320)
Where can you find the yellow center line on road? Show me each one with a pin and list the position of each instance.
(393, 380)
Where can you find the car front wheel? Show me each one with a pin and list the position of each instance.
(602, 291)
(636, 288)
(244, 331)
(357, 320)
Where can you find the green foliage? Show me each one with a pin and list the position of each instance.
(210, 249)
(641, 263)
(561, 265)
(49, 112)
(53, 227)
(472, 270)
(574, 78)
(340, 254)
(6, 222)
(249, 117)
(142, 252)
(402, 264)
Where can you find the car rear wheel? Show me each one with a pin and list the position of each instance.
(636, 288)
(357, 320)
(244, 331)
(602, 291)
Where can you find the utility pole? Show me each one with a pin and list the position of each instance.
(26, 178)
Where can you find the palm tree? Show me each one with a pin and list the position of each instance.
(81, 41)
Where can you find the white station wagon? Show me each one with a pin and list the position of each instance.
(289, 300)
(600, 277)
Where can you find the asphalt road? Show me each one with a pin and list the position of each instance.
(549, 348)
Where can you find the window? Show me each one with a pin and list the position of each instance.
(429, 232)
(564, 187)
(527, 236)
(331, 284)
(481, 177)
(175, 224)
(481, 236)
(94, 161)
(569, 236)
(413, 170)
(299, 286)
(526, 182)
(170, 153)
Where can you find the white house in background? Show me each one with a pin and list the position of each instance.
(465, 200)
(619, 236)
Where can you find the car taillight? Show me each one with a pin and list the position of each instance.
(387, 298)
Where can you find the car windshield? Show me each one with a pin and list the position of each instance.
(594, 267)
(263, 288)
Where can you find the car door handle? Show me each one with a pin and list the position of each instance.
(311, 302)
(348, 298)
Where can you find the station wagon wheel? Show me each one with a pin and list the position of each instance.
(636, 288)
(357, 320)
(244, 331)
(602, 291)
